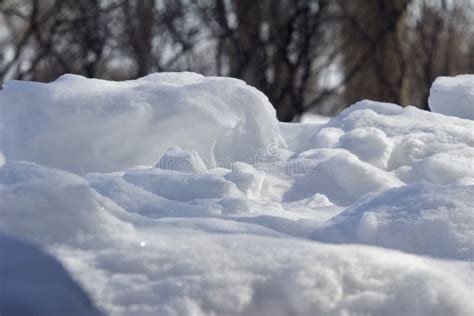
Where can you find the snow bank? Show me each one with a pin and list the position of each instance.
(86, 125)
(202, 211)
(453, 96)
(34, 283)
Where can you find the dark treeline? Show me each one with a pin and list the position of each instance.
(318, 55)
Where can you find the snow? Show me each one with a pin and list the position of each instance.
(177, 194)
(89, 125)
(335, 172)
(45, 290)
(51, 198)
(2, 159)
(214, 274)
(314, 118)
(170, 267)
(453, 96)
(420, 218)
(399, 140)
(178, 159)
(180, 186)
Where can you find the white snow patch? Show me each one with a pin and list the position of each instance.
(453, 96)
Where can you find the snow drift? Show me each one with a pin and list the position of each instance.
(177, 194)
(84, 125)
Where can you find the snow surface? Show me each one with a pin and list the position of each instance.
(453, 96)
(420, 218)
(314, 118)
(86, 125)
(47, 289)
(2, 159)
(370, 213)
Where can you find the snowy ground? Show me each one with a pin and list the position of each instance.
(177, 194)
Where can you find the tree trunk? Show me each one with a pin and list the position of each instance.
(375, 33)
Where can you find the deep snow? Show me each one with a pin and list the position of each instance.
(177, 194)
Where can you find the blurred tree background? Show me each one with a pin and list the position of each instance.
(305, 55)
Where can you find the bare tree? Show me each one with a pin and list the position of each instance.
(442, 43)
(273, 45)
(317, 55)
(377, 34)
(139, 22)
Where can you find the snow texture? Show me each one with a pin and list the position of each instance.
(177, 194)
(46, 289)
(86, 125)
(2, 159)
(427, 219)
(453, 96)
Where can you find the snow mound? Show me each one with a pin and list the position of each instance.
(38, 201)
(181, 160)
(409, 143)
(181, 186)
(425, 219)
(138, 200)
(246, 178)
(453, 96)
(34, 283)
(338, 174)
(89, 125)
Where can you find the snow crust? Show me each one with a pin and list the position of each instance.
(369, 213)
(453, 96)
